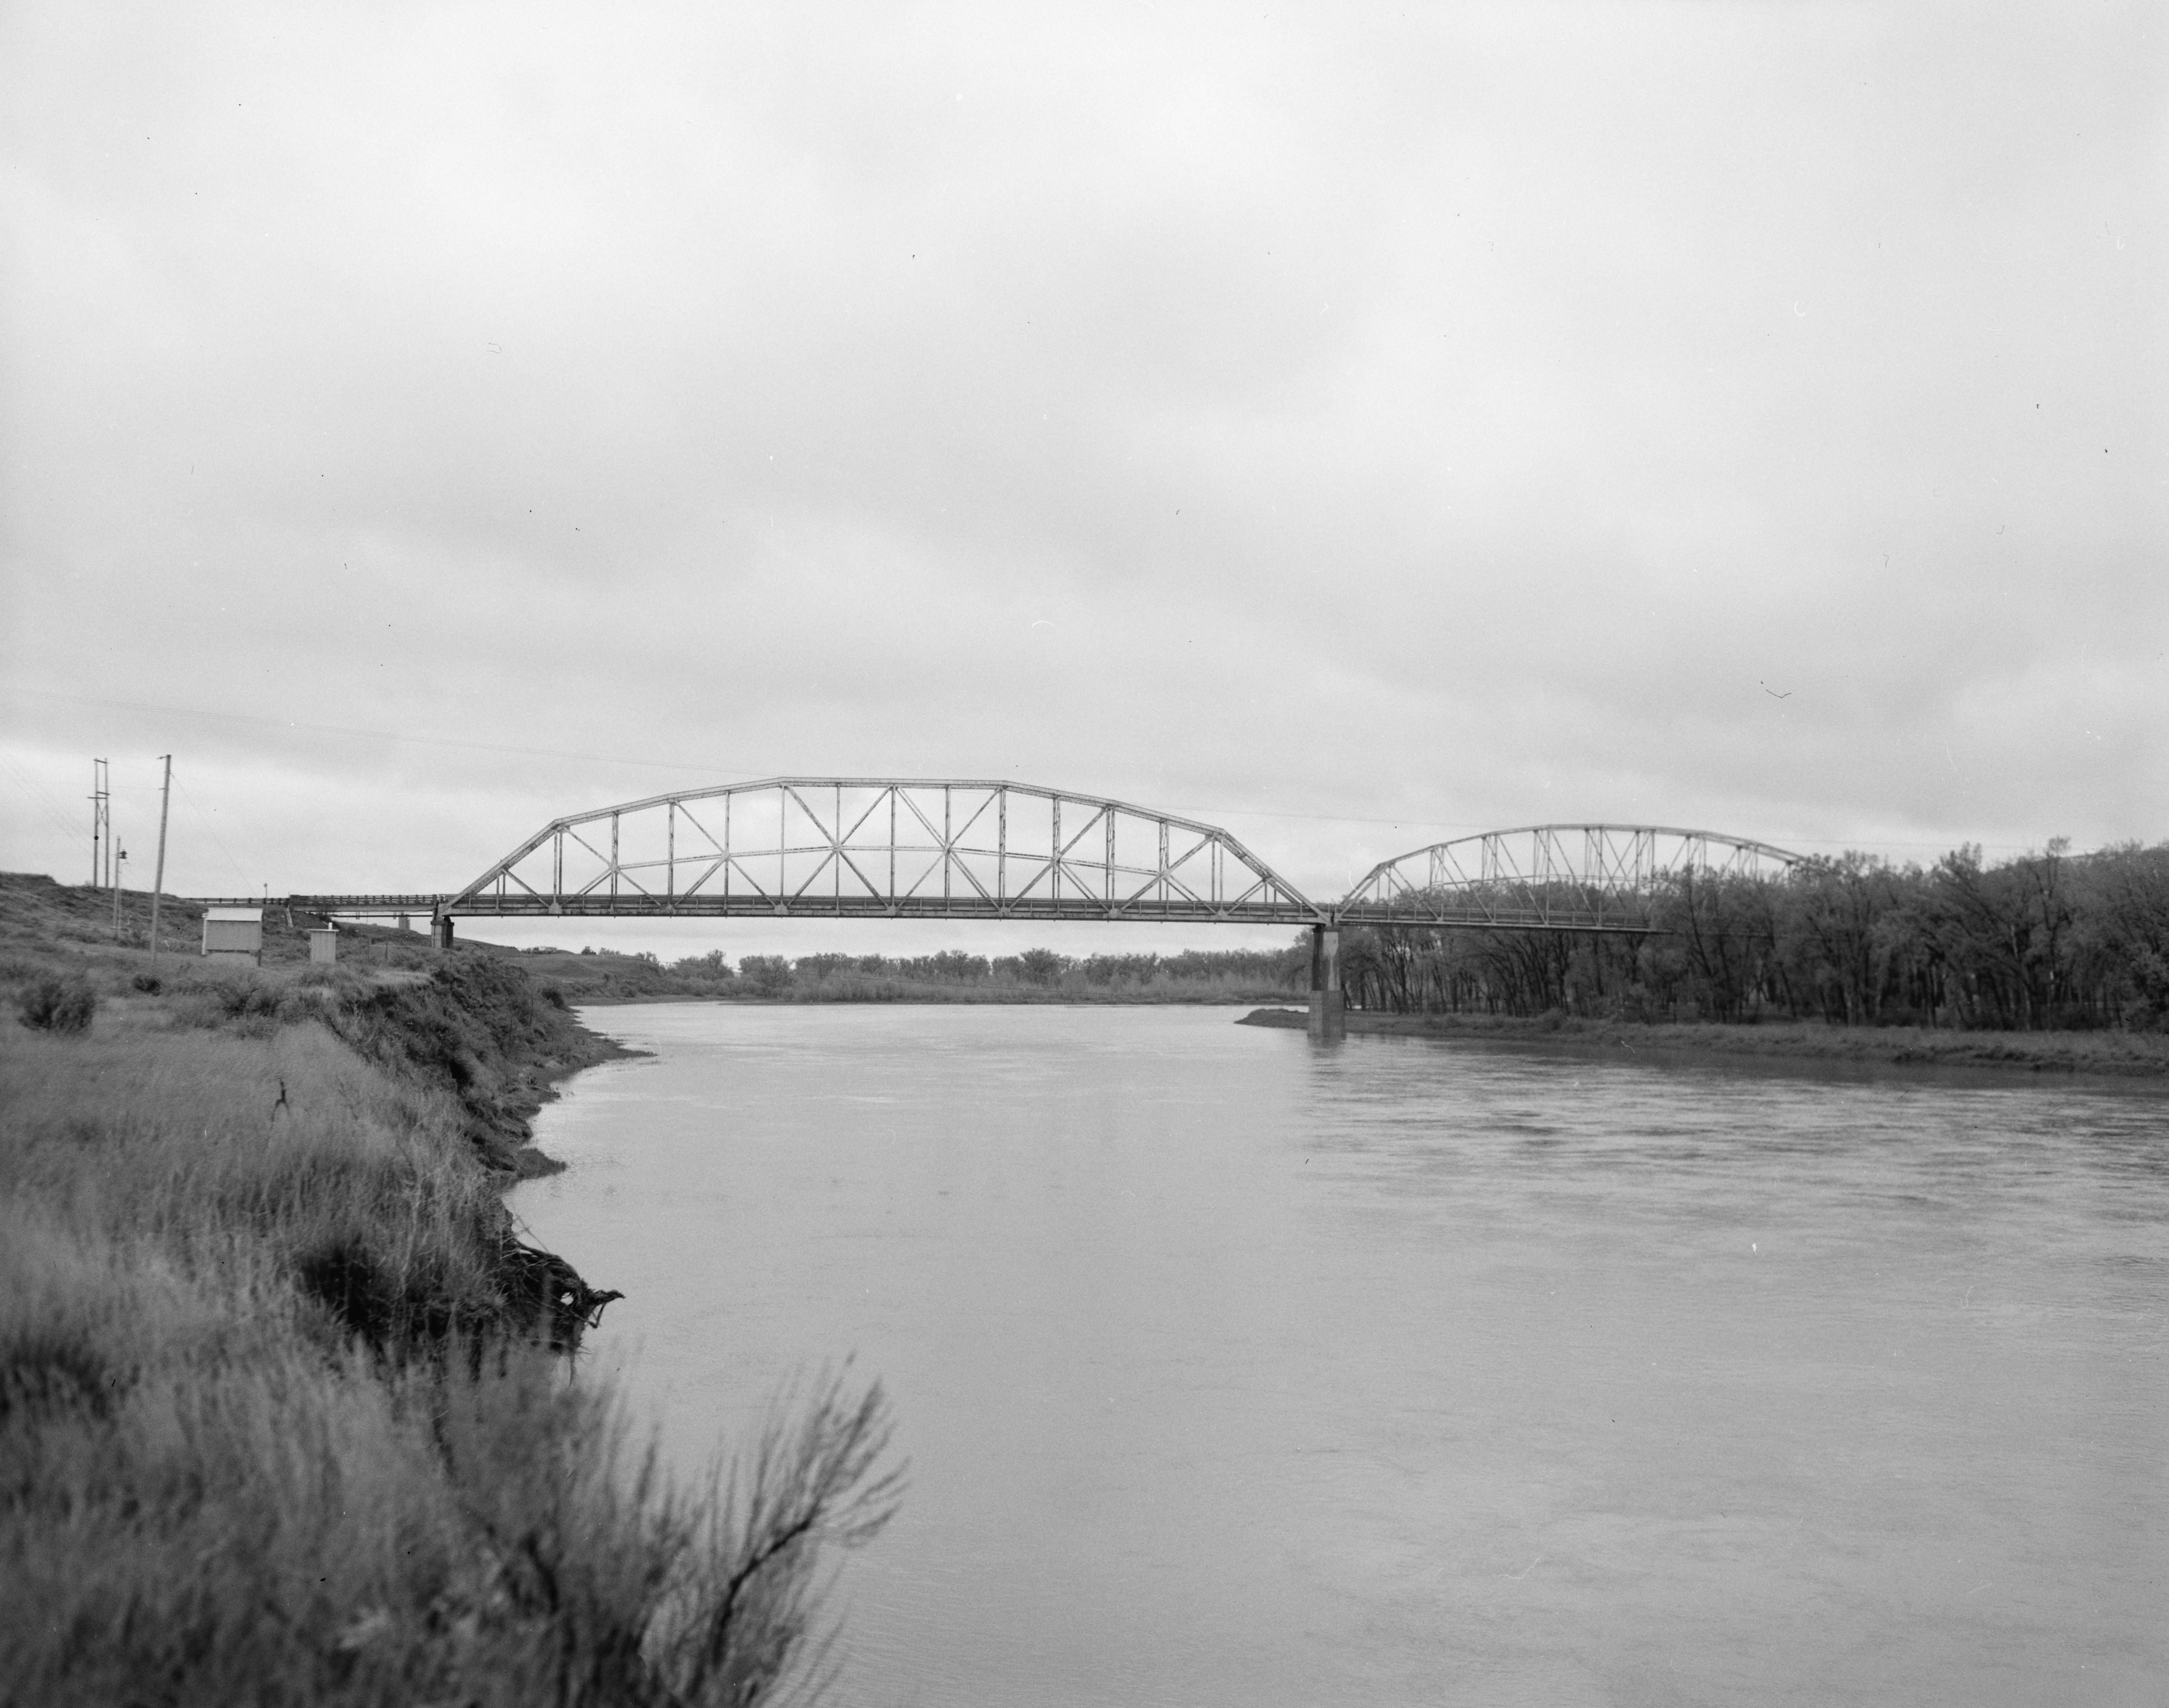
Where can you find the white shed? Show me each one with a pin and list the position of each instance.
(234, 933)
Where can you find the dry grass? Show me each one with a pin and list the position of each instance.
(274, 1425)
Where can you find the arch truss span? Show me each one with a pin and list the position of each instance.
(1573, 877)
(859, 847)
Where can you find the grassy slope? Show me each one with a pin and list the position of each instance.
(280, 1419)
(2132, 1055)
(468, 1026)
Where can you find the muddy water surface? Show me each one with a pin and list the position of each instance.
(1234, 1370)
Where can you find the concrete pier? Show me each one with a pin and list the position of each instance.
(1328, 1009)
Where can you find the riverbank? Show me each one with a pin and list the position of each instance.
(280, 1377)
(2128, 1055)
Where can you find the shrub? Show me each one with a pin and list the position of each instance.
(149, 983)
(250, 1006)
(54, 1004)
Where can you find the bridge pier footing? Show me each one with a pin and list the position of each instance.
(441, 928)
(1328, 1007)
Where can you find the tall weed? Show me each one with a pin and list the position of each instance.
(276, 1422)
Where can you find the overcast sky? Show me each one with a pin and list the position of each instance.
(1351, 425)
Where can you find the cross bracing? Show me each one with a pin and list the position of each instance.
(830, 847)
(1573, 877)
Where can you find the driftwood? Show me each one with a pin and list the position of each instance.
(545, 1293)
(538, 1296)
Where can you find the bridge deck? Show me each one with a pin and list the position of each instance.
(1621, 918)
(841, 848)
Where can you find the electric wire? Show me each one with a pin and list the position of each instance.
(211, 830)
(51, 808)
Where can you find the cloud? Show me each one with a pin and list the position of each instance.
(1460, 419)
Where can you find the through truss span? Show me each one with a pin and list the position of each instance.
(882, 848)
(860, 847)
(1552, 877)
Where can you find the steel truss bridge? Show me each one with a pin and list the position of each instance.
(883, 848)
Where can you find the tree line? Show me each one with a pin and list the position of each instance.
(953, 975)
(2047, 940)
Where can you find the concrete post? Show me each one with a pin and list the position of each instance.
(443, 930)
(1327, 1010)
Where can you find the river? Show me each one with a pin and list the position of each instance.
(1235, 1368)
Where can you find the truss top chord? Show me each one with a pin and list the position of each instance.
(860, 847)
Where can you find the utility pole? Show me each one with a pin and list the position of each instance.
(158, 883)
(101, 820)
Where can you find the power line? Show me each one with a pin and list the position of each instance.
(211, 830)
(53, 809)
